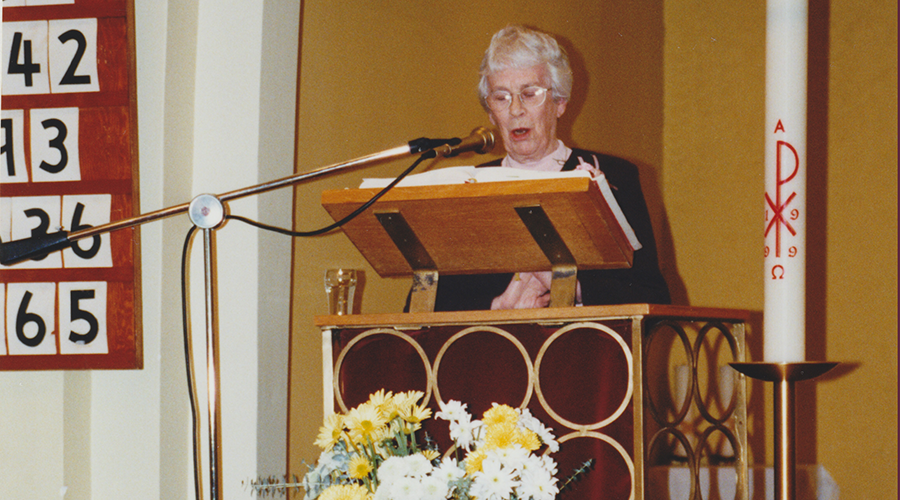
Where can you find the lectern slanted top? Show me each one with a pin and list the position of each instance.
(489, 227)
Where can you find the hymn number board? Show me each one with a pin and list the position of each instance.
(68, 159)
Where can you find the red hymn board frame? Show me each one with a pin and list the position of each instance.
(69, 159)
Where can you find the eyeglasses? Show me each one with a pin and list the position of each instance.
(530, 97)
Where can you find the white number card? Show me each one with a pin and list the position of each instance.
(82, 318)
(54, 145)
(31, 322)
(12, 150)
(25, 68)
(73, 56)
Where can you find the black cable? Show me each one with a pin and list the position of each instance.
(188, 360)
(425, 156)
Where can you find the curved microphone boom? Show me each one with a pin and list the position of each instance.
(481, 140)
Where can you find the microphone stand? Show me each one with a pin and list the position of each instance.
(207, 212)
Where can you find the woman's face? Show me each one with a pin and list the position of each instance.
(529, 133)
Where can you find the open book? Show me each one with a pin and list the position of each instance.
(464, 175)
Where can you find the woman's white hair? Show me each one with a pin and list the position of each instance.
(518, 47)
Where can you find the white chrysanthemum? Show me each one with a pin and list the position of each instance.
(406, 488)
(464, 432)
(382, 493)
(537, 484)
(452, 410)
(511, 457)
(531, 463)
(417, 465)
(548, 464)
(449, 470)
(527, 420)
(392, 469)
(493, 481)
(433, 488)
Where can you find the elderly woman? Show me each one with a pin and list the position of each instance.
(525, 85)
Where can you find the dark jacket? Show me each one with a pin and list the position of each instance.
(641, 283)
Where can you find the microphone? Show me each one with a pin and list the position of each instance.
(481, 140)
(19, 250)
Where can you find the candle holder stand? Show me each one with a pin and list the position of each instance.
(784, 376)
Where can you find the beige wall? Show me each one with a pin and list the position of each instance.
(205, 125)
(679, 90)
(376, 75)
(713, 185)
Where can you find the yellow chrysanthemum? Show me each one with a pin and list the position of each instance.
(389, 408)
(345, 492)
(382, 400)
(502, 435)
(431, 455)
(330, 432)
(414, 413)
(500, 414)
(528, 440)
(473, 461)
(359, 467)
(365, 422)
(408, 398)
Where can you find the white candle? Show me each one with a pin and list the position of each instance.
(784, 335)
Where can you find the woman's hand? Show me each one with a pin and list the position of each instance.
(525, 291)
(529, 291)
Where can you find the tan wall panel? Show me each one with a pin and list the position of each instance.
(680, 92)
(377, 74)
(714, 173)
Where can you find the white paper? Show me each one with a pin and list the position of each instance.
(29, 57)
(617, 212)
(75, 58)
(13, 147)
(36, 213)
(94, 251)
(34, 305)
(86, 302)
(54, 145)
(463, 175)
(3, 315)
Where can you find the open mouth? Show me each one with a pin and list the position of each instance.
(519, 132)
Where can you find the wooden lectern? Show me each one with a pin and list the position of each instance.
(559, 225)
(632, 386)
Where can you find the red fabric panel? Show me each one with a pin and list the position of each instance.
(583, 376)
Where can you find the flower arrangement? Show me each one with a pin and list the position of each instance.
(373, 453)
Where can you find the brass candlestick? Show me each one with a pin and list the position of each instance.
(784, 375)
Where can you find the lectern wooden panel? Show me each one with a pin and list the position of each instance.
(474, 228)
(630, 386)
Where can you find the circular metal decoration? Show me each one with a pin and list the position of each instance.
(732, 343)
(689, 354)
(626, 352)
(370, 333)
(657, 440)
(704, 442)
(490, 329)
(610, 441)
